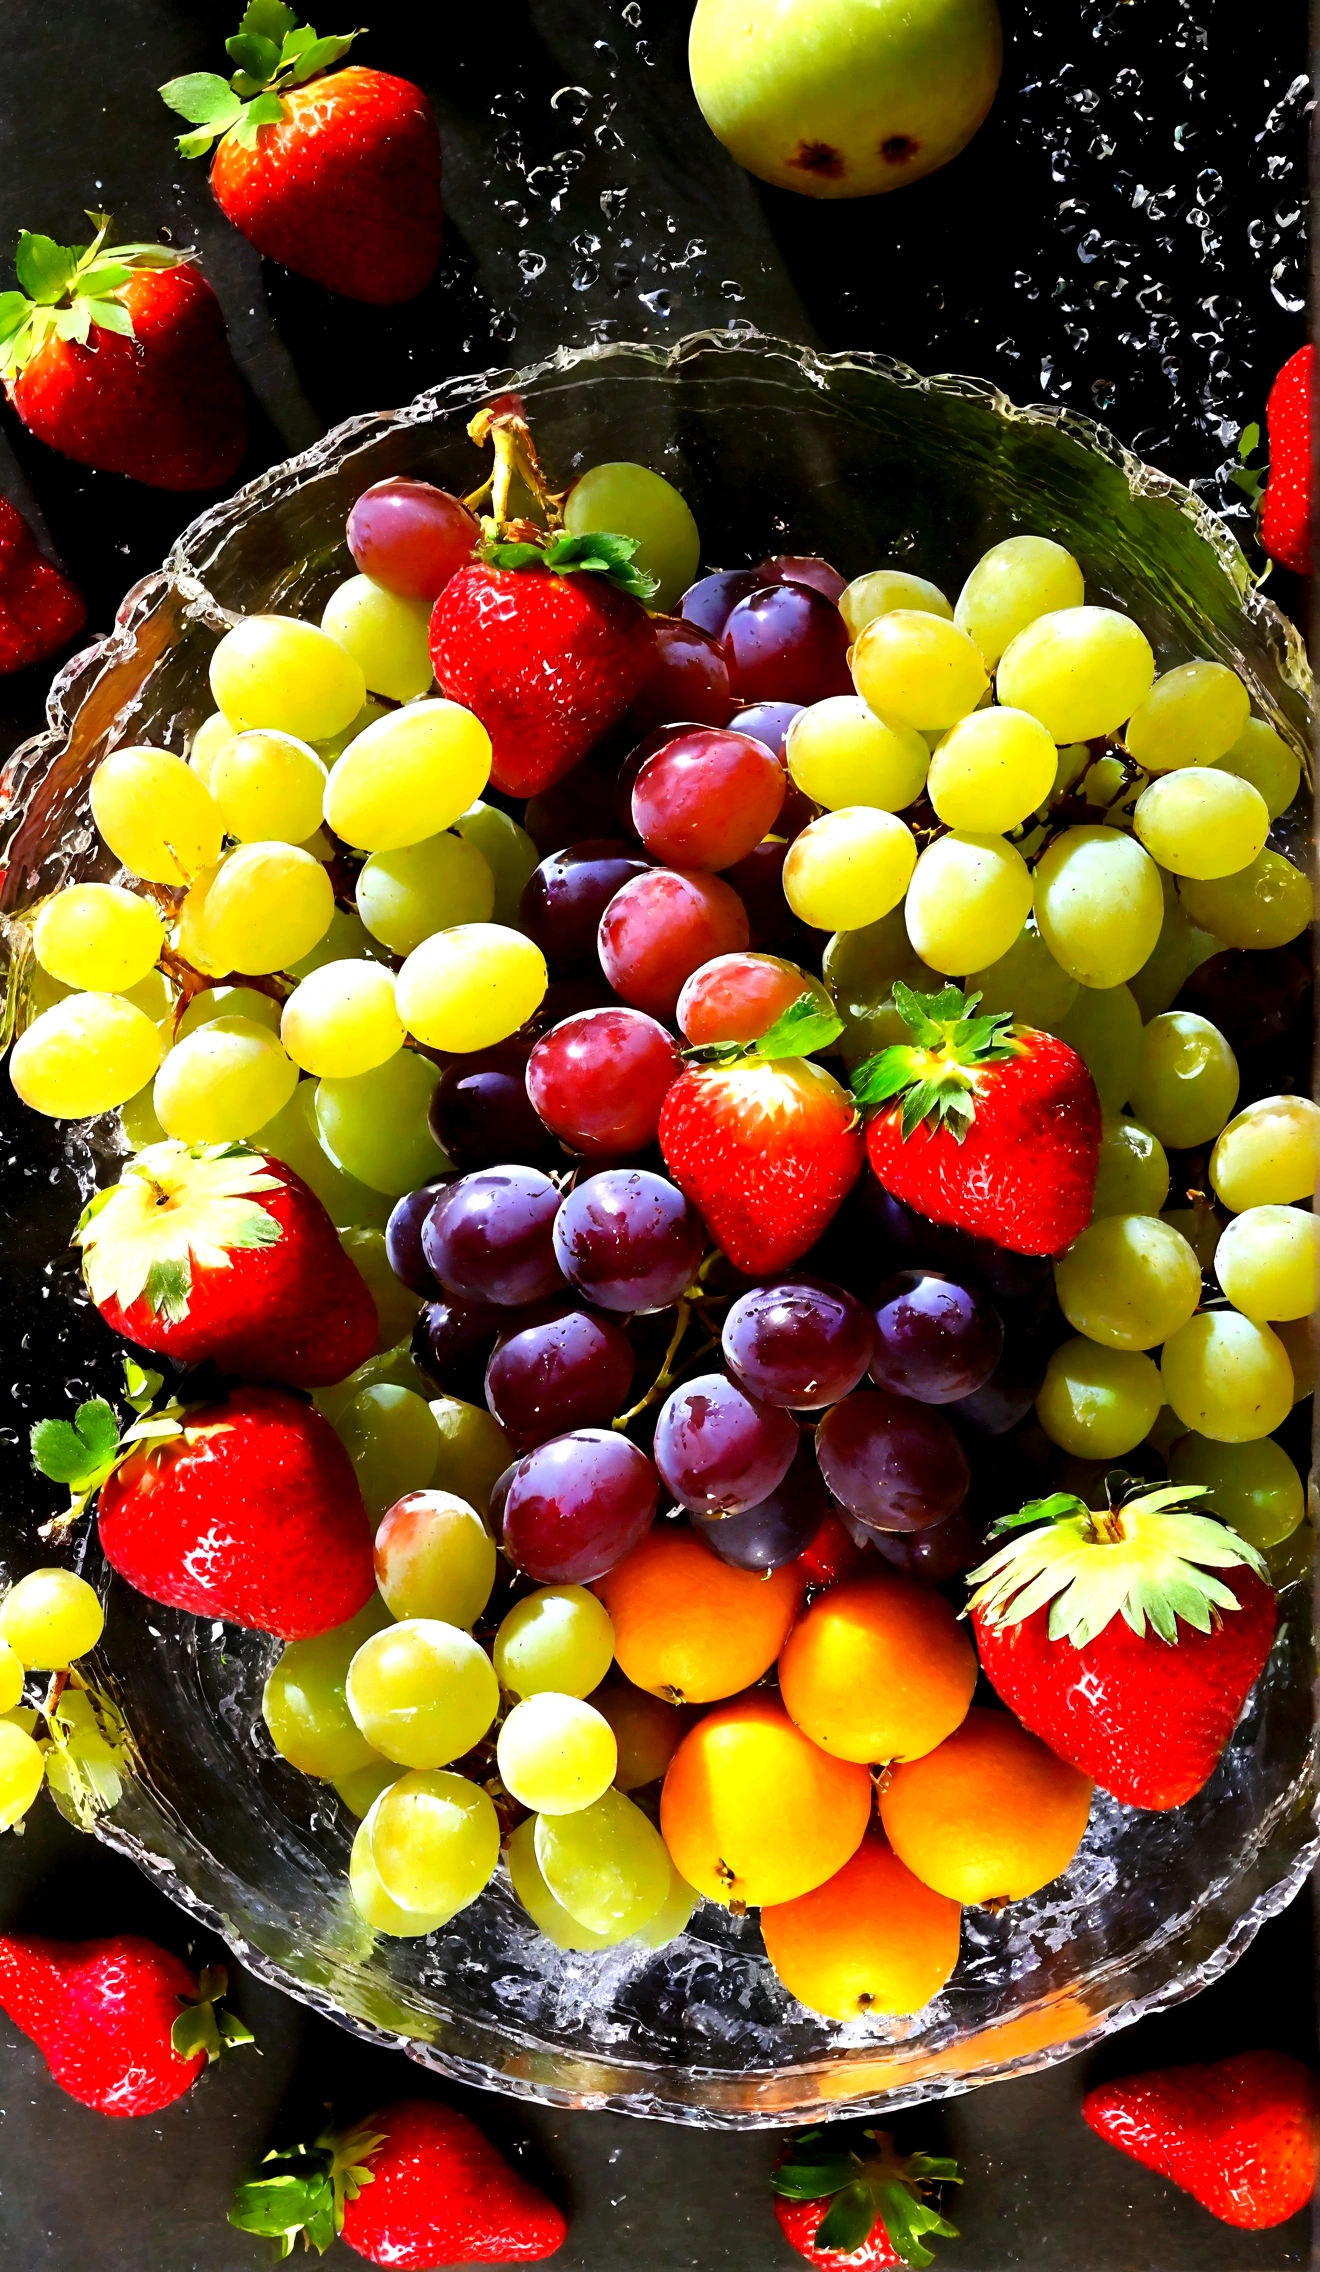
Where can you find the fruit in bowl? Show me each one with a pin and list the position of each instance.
(704, 1303)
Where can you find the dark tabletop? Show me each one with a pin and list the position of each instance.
(1127, 236)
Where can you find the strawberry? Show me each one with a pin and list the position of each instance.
(40, 610)
(1239, 2134)
(841, 2209)
(413, 2186)
(117, 357)
(765, 1143)
(124, 2025)
(991, 1127)
(1145, 1712)
(216, 1251)
(1285, 514)
(246, 1508)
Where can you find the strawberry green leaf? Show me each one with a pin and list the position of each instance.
(1247, 440)
(269, 19)
(800, 1029)
(596, 553)
(169, 1283)
(196, 144)
(203, 98)
(906, 2217)
(812, 2181)
(296, 43)
(79, 1452)
(1059, 1503)
(936, 1073)
(75, 322)
(501, 555)
(140, 1385)
(319, 56)
(109, 316)
(849, 2221)
(45, 269)
(257, 58)
(292, 2193)
(266, 110)
(103, 277)
(15, 308)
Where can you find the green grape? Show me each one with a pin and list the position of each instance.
(1011, 585)
(435, 1558)
(404, 897)
(474, 1450)
(139, 1122)
(673, 1915)
(469, 987)
(98, 936)
(1264, 905)
(1128, 1281)
(268, 786)
(386, 635)
(848, 866)
(391, 1368)
(292, 1137)
(1165, 1431)
(392, 1439)
(1133, 1176)
(263, 907)
(556, 1754)
(1270, 1154)
(1298, 1337)
(549, 1915)
(1074, 765)
(362, 1786)
(917, 669)
(606, 1864)
(22, 1773)
(156, 815)
(1099, 905)
(374, 1126)
(396, 1304)
(882, 590)
(860, 968)
(840, 753)
(1191, 716)
(508, 852)
(434, 1841)
(1202, 823)
(629, 500)
(1200, 1226)
(304, 1705)
(342, 1021)
(967, 902)
(11, 1678)
(85, 1055)
(225, 1081)
(275, 670)
(1268, 1263)
(1104, 1027)
(1227, 1378)
(1098, 1403)
(559, 1638)
(1028, 982)
(1169, 965)
(229, 1002)
(347, 940)
(1080, 670)
(50, 1618)
(1293, 1560)
(1187, 1080)
(330, 746)
(408, 776)
(374, 1905)
(1252, 1486)
(155, 996)
(210, 738)
(991, 770)
(423, 1692)
(1263, 758)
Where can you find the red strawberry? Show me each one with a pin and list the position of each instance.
(992, 1127)
(414, 2186)
(216, 1251)
(246, 1509)
(119, 359)
(1285, 513)
(124, 2025)
(866, 2210)
(1147, 1713)
(1238, 2134)
(40, 610)
(765, 1143)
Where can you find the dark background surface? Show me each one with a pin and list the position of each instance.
(1126, 235)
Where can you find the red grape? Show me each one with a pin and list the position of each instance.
(555, 817)
(711, 600)
(803, 1344)
(481, 1113)
(758, 881)
(410, 536)
(489, 1236)
(717, 1448)
(804, 568)
(834, 1553)
(705, 798)
(779, 1527)
(568, 1370)
(563, 900)
(767, 722)
(628, 1240)
(688, 679)
(934, 1339)
(660, 928)
(403, 1236)
(738, 997)
(894, 1464)
(787, 643)
(599, 1079)
(576, 1505)
(452, 1328)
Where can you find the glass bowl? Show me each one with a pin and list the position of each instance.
(776, 448)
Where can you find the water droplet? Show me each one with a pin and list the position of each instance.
(574, 102)
(657, 302)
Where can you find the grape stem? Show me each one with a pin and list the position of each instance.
(510, 437)
(191, 983)
(664, 1378)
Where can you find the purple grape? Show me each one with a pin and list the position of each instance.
(718, 1448)
(451, 1329)
(563, 901)
(499, 1492)
(576, 1505)
(628, 1240)
(803, 1344)
(567, 1370)
(403, 1236)
(934, 1339)
(919, 1243)
(712, 599)
(489, 1237)
(896, 1465)
(481, 1113)
(767, 722)
(1011, 1390)
(779, 1527)
(786, 643)
(940, 1552)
